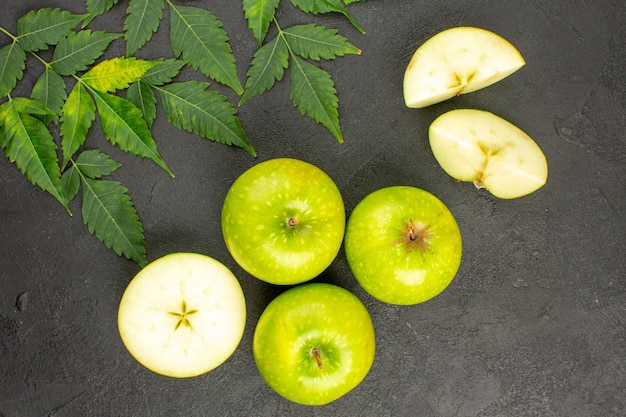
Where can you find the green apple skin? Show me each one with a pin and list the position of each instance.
(478, 146)
(182, 315)
(403, 245)
(314, 343)
(283, 221)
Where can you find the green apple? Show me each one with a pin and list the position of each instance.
(458, 61)
(478, 146)
(403, 245)
(314, 343)
(182, 315)
(283, 221)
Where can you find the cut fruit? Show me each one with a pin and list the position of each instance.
(182, 315)
(458, 61)
(478, 146)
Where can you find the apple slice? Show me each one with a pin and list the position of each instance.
(182, 315)
(456, 61)
(478, 146)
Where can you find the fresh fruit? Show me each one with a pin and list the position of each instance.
(478, 146)
(314, 343)
(456, 61)
(403, 245)
(182, 315)
(283, 221)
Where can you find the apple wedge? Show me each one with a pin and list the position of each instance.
(478, 146)
(456, 61)
(182, 315)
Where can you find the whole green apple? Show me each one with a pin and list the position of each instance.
(314, 343)
(283, 221)
(403, 245)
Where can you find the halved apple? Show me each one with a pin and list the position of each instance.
(478, 146)
(456, 61)
(182, 315)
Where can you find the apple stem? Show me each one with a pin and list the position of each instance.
(292, 221)
(317, 354)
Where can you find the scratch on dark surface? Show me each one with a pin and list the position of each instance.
(59, 407)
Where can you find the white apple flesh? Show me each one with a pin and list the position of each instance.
(478, 146)
(456, 61)
(182, 315)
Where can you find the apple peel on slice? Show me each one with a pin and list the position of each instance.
(182, 315)
(456, 61)
(480, 147)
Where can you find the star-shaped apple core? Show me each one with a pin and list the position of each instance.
(183, 316)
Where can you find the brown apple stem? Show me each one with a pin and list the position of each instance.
(317, 354)
(292, 221)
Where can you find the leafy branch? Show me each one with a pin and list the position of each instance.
(77, 84)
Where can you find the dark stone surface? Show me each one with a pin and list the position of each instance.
(533, 324)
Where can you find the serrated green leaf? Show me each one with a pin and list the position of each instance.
(70, 183)
(312, 91)
(189, 106)
(116, 73)
(12, 64)
(109, 214)
(95, 164)
(267, 66)
(164, 72)
(50, 89)
(198, 36)
(38, 29)
(29, 144)
(34, 108)
(142, 96)
(97, 7)
(77, 115)
(317, 42)
(259, 14)
(326, 6)
(142, 21)
(124, 126)
(77, 51)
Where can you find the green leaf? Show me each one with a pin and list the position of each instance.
(116, 73)
(38, 29)
(70, 183)
(77, 115)
(317, 42)
(29, 144)
(98, 7)
(164, 72)
(12, 64)
(142, 21)
(33, 107)
(267, 66)
(259, 14)
(109, 214)
(77, 51)
(124, 126)
(189, 106)
(50, 90)
(326, 6)
(313, 93)
(198, 36)
(142, 96)
(95, 164)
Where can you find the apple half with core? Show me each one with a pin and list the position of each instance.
(456, 61)
(283, 221)
(478, 146)
(182, 315)
(403, 245)
(314, 343)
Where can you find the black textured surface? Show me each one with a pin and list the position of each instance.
(533, 324)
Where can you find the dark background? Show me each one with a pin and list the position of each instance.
(532, 325)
